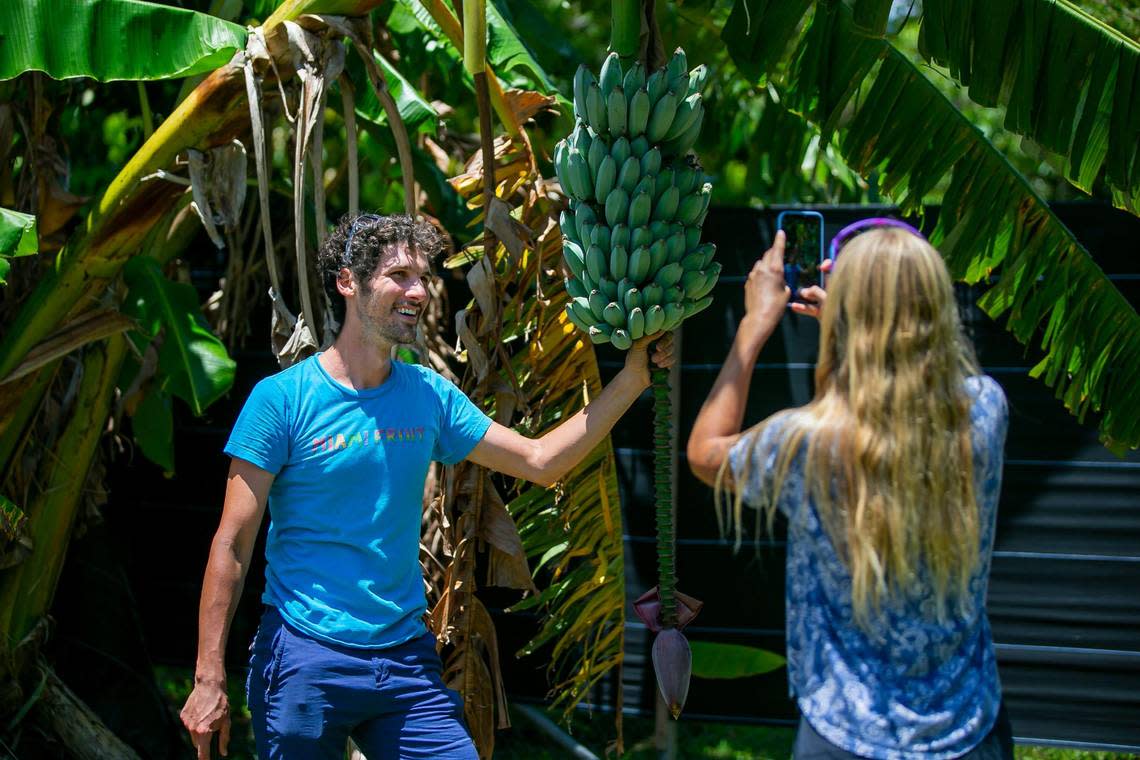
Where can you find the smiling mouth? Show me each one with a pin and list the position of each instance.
(408, 311)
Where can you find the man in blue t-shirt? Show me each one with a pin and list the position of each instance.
(338, 446)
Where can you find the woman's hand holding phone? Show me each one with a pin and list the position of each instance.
(813, 297)
(765, 292)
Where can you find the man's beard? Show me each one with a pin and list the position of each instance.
(391, 329)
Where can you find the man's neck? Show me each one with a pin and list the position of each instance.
(356, 364)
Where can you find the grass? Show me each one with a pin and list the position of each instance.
(524, 741)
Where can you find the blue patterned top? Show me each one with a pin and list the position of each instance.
(911, 687)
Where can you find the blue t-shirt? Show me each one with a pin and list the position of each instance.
(911, 687)
(343, 546)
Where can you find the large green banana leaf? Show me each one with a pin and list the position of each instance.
(192, 361)
(991, 220)
(1068, 81)
(17, 233)
(17, 238)
(416, 113)
(506, 50)
(112, 39)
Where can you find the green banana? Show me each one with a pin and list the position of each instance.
(652, 294)
(575, 259)
(583, 216)
(693, 307)
(581, 139)
(621, 340)
(616, 108)
(668, 275)
(595, 263)
(620, 235)
(657, 85)
(620, 150)
(639, 146)
(581, 309)
(581, 324)
(615, 314)
(692, 237)
(706, 253)
(648, 185)
(685, 180)
(631, 299)
(598, 303)
(712, 275)
(636, 323)
(639, 263)
(675, 247)
(639, 108)
(566, 224)
(674, 313)
(654, 319)
(596, 109)
(598, 150)
(697, 78)
(681, 145)
(640, 235)
(664, 181)
(690, 208)
(666, 206)
(583, 78)
(604, 182)
(562, 166)
(600, 236)
(629, 175)
(598, 336)
(608, 288)
(617, 206)
(575, 289)
(677, 68)
(659, 229)
(579, 175)
(687, 110)
(639, 209)
(651, 162)
(661, 118)
(611, 75)
(658, 255)
(619, 261)
(634, 78)
(673, 294)
(691, 282)
(693, 262)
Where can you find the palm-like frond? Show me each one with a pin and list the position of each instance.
(1067, 80)
(525, 356)
(889, 118)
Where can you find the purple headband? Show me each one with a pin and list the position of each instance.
(855, 228)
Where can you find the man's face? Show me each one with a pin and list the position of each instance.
(391, 303)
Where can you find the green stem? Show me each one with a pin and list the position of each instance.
(625, 28)
(663, 497)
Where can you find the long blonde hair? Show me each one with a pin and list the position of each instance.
(888, 455)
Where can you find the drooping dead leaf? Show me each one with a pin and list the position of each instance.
(526, 104)
(513, 234)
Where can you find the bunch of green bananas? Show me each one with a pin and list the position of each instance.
(632, 234)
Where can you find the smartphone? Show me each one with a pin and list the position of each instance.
(803, 249)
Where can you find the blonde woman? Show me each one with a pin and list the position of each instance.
(889, 480)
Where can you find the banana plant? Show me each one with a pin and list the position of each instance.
(632, 247)
(838, 68)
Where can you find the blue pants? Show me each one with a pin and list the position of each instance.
(307, 697)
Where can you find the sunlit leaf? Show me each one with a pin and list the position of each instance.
(715, 660)
(1083, 104)
(12, 519)
(17, 233)
(193, 361)
(110, 40)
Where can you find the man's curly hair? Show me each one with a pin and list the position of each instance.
(358, 242)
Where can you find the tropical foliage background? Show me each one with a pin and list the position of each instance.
(142, 142)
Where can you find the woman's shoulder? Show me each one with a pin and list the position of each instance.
(989, 407)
